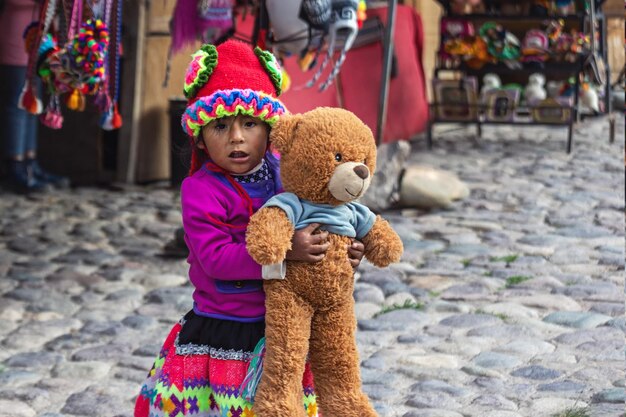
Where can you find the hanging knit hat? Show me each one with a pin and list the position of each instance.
(231, 79)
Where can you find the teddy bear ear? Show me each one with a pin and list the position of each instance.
(283, 131)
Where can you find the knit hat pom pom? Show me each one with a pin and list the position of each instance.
(199, 70)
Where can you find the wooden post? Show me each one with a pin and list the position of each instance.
(135, 18)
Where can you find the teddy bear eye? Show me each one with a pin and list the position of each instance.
(338, 157)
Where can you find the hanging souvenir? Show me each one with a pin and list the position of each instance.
(205, 20)
(344, 25)
(316, 13)
(296, 28)
(109, 95)
(33, 34)
(289, 35)
(48, 51)
(209, 21)
(79, 68)
(85, 58)
(76, 69)
(215, 18)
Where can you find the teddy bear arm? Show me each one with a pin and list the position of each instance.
(383, 246)
(268, 237)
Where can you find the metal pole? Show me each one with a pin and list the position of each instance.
(384, 84)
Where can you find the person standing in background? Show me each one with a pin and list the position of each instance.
(18, 135)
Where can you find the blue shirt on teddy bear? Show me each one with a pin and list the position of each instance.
(349, 219)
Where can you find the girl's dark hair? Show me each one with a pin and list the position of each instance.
(181, 152)
(198, 157)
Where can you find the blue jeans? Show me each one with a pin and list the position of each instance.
(18, 128)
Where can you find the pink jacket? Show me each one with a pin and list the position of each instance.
(227, 280)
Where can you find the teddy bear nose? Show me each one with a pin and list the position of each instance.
(361, 171)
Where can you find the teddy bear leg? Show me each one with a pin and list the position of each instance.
(335, 364)
(287, 324)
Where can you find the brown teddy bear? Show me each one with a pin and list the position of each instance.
(328, 157)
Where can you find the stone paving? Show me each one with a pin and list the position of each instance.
(508, 304)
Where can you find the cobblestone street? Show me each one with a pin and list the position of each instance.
(513, 298)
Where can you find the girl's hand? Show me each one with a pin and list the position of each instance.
(309, 244)
(355, 253)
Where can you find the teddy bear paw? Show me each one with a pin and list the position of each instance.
(384, 255)
(268, 257)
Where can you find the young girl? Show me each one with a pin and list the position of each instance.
(232, 104)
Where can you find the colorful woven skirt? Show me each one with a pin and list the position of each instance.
(200, 369)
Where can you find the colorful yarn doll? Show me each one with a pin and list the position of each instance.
(33, 35)
(48, 49)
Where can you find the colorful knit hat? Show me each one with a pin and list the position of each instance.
(231, 79)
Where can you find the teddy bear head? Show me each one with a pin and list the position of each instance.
(328, 155)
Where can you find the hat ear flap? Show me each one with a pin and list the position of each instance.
(283, 131)
(203, 63)
(272, 68)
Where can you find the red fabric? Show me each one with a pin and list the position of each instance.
(238, 68)
(142, 406)
(407, 111)
(407, 107)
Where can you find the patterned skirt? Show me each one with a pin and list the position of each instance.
(200, 369)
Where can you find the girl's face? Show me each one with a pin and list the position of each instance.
(235, 143)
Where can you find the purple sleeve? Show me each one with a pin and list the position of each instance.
(219, 255)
